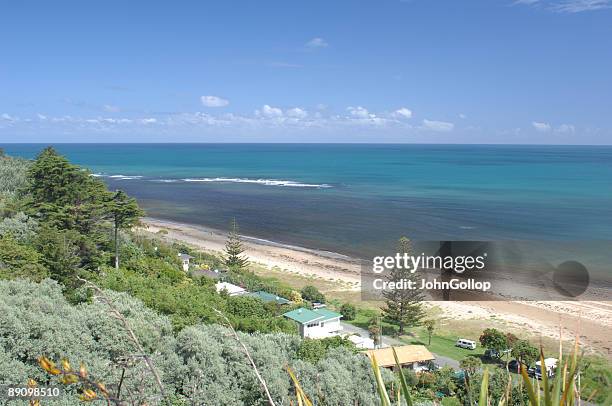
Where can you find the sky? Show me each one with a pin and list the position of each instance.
(411, 71)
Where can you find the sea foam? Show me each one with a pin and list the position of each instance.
(266, 182)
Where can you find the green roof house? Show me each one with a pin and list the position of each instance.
(316, 323)
(269, 297)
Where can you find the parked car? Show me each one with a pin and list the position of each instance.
(514, 366)
(465, 343)
(494, 354)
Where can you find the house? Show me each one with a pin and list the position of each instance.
(231, 289)
(409, 356)
(360, 342)
(316, 323)
(269, 297)
(185, 258)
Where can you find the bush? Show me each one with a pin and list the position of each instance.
(312, 294)
(348, 311)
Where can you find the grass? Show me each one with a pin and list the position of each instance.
(443, 345)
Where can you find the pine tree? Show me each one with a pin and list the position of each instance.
(125, 213)
(234, 249)
(403, 307)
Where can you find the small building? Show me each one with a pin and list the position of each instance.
(409, 356)
(231, 289)
(185, 258)
(269, 297)
(316, 323)
(365, 343)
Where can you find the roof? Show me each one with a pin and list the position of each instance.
(406, 354)
(207, 273)
(185, 256)
(269, 297)
(230, 288)
(305, 316)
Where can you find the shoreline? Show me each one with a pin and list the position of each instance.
(589, 320)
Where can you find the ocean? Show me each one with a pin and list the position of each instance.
(358, 199)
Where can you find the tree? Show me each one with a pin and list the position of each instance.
(348, 311)
(524, 352)
(430, 325)
(60, 254)
(470, 365)
(403, 307)
(375, 332)
(234, 250)
(494, 339)
(312, 294)
(19, 260)
(125, 213)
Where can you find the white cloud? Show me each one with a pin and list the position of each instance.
(214, 101)
(402, 112)
(577, 6)
(360, 112)
(317, 42)
(7, 117)
(541, 127)
(41, 116)
(441, 126)
(148, 120)
(567, 6)
(111, 109)
(297, 112)
(462, 116)
(269, 112)
(565, 129)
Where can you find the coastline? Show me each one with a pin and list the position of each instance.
(589, 320)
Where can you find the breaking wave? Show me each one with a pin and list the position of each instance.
(266, 182)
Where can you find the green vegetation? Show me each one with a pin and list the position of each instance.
(403, 307)
(234, 258)
(348, 311)
(312, 294)
(153, 332)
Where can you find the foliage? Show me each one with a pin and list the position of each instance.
(470, 364)
(19, 261)
(430, 326)
(234, 258)
(20, 226)
(312, 294)
(198, 363)
(348, 311)
(125, 213)
(525, 352)
(314, 350)
(403, 307)
(494, 339)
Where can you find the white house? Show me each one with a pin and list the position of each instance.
(185, 261)
(231, 289)
(316, 323)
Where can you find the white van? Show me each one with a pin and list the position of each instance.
(467, 344)
(550, 365)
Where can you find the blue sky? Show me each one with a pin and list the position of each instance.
(427, 71)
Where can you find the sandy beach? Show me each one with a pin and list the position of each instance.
(593, 320)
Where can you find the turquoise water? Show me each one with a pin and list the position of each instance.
(357, 199)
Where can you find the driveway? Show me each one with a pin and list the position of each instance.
(441, 361)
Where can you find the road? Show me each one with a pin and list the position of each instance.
(440, 360)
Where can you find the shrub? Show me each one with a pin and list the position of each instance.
(312, 294)
(348, 311)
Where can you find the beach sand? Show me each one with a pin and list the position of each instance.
(592, 320)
